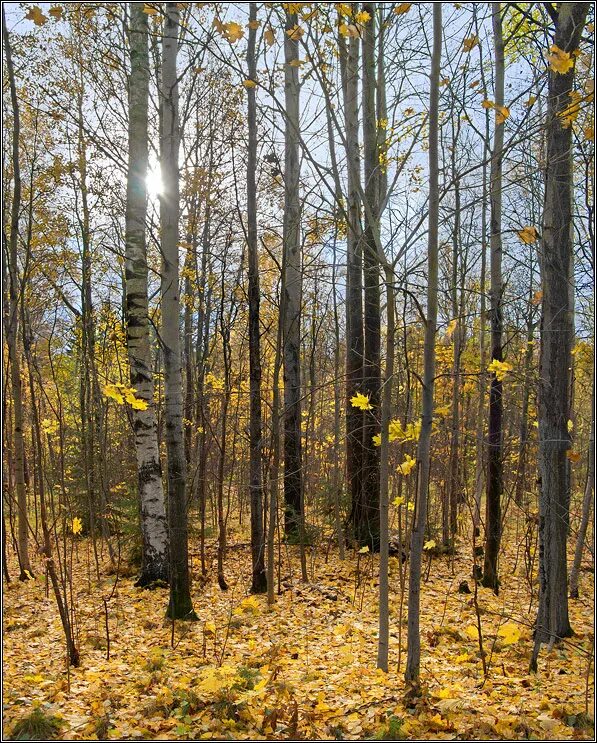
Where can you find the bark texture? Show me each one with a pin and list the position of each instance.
(180, 606)
(413, 660)
(556, 343)
(151, 495)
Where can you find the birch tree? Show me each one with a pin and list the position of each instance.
(154, 533)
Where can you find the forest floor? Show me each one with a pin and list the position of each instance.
(304, 669)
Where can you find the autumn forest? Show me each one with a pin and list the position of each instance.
(298, 382)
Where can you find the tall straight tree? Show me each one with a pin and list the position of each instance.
(556, 337)
(149, 471)
(180, 606)
(11, 260)
(495, 484)
(292, 287)
(349, 65)
(367, 521)
(258, 583)
(413, 661)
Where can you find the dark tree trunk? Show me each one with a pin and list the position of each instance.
(259, 581)
(367, 521)
(556, 343)
(291, 292)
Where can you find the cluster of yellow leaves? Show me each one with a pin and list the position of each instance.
(407, 466)
(216, 384)
(499, 368)
(231, 31)
(559, 60)
(528, 235)
(349, 30)
(569, 114)
(501, 112)
(77, 525)
(396, 433)
(361, 401)
(470, 43)
(295, 33)
(120, 393)
(35, 14)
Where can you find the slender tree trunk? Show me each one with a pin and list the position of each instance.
(413, 660)
(180, 606)
(275, 466)
(336, 481)
(258, 581)
(149, 470)
(349, 63)
(587, 502)
(291, 291)
(556, 344)
(521, 465)
(13, 322)
(367, 527)
(495, 484)
(384, 495)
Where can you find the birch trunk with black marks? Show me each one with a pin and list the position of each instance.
(154, 533)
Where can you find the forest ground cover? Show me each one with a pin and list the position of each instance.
(304, 669)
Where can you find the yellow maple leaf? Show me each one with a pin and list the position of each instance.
(269, 36)
(429, 545)
(35, 14)
(209, 628)
(573, 456)
(510, 633)
(528, 235)
(362, 16)
(487, 103)
(138, 404)
(249, 83)
(407, 466)
(254, 25)
(113, 391)
(499, 368)
(349, 30)
(537, 297)
(501, 113)
(344, 9)
(569, 114)
(398, 501)
(559, 60)
(232, 31)
(77, 526)
(530, 101)
(402, 8)
(295, 33)
(361, 402)
(149, 9)
(470, 43)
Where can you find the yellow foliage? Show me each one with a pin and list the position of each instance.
(77, 526)
(559, 60)
(361, 402)
(402, 8)
(499, 368)
(528, 235)
(510, 633)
